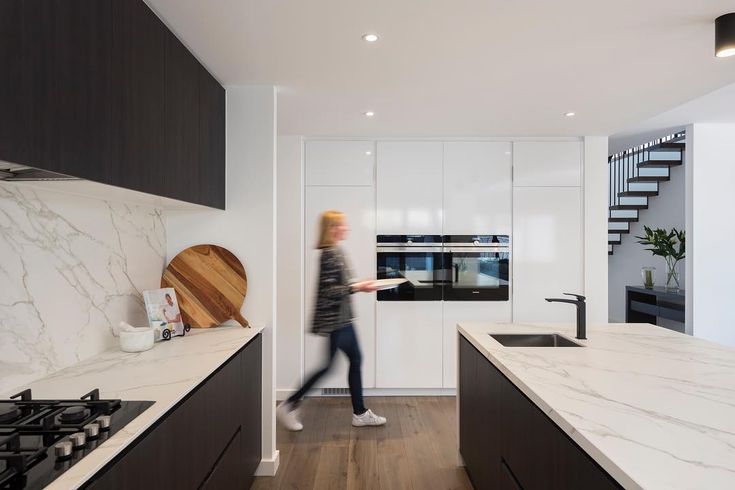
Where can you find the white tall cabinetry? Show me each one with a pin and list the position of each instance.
(409, 188)
(477, 188)
(339, 175)
(548, 252)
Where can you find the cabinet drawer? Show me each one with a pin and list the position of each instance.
(227, 473)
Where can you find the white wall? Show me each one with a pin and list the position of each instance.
(664, 211)
(594, 204)
(247, 227)
(712, 231)
(70, 269)
(290, 253)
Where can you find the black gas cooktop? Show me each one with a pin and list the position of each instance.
(41, 439)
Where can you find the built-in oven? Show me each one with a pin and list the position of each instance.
(416, 258)
(477, 266)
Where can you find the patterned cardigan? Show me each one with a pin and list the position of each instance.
(333, 298)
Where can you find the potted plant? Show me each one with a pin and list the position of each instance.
(667, 244)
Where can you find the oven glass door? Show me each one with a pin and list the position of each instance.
(422, 269)
(477, 275)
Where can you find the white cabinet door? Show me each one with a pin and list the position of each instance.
(358, 203)
(409, 188)
(477, 188)
(467, 311)
(408, 344)
(547, 163)
(547, 252)
(340, 162)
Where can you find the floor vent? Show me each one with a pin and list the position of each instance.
(335, 391)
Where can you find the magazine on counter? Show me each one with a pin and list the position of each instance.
(163, 312)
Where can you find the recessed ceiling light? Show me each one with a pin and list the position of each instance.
(725, 35)
(570, 114)
(370, 38)
(369, 114)
(368, 152)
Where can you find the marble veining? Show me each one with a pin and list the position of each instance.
(71, 268)
(164, 374)
(655, 408)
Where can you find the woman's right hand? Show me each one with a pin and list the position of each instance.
(364, 286)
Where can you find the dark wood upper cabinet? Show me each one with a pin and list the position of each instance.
(13, 93)
(139, 40)
(211, 138)
(102, 90)
(181, 139)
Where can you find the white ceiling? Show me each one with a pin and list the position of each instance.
(460, 67)
(715, 107)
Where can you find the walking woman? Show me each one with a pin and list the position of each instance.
(333, 317)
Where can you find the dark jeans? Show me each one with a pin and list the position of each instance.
(345, 340)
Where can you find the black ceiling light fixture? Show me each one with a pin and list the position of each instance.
(725, 35)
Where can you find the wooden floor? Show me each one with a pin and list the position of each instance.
(416, 449)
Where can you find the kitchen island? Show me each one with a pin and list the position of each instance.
(636, 406)
(205, 424)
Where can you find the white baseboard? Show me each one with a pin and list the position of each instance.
(410, 392)
(283, 394)
(269, 467)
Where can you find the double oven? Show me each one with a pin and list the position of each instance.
(448, 267)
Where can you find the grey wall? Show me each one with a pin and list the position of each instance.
(624, 267)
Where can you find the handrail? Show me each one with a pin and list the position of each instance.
(623, 165)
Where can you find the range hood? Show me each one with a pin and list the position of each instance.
(13, 172)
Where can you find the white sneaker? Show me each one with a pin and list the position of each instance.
(367, 418)
(286, 415)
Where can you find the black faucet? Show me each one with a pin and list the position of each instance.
(581, 312)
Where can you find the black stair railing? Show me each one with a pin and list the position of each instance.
(624, 166)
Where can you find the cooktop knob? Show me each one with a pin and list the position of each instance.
(62, 449)
(104, 422)
(91, 431)
(78, 440)
(410, 242)
(476, 242)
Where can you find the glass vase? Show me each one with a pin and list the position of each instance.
(672, 274)
(647, 275)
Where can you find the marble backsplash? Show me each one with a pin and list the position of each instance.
(70, 269)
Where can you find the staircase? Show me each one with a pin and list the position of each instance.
(635, 176)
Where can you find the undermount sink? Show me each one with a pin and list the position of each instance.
(533, 340)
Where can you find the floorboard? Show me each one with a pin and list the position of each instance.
(415, 450)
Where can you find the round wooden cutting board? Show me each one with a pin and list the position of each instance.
(210, 285)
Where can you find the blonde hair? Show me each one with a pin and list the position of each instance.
(328, 221)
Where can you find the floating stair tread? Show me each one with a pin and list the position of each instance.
(658, 163)
(637, 193)
(620, 207)
(623, 219)
(613, 232)
(649, 178)
(614, 242)
(669, 145)
(609, 252)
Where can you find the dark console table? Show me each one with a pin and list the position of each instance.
(648, 305)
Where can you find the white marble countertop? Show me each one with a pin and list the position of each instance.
(164, 374)
(655, 408)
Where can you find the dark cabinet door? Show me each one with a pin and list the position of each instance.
(138, 39)
(68, 59)
(227, 473)
(13, 85)
(252, 408)
(180, 168)
(478, 417)
(211, 140)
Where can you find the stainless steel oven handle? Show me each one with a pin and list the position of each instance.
(412, 249)
(470, 250)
